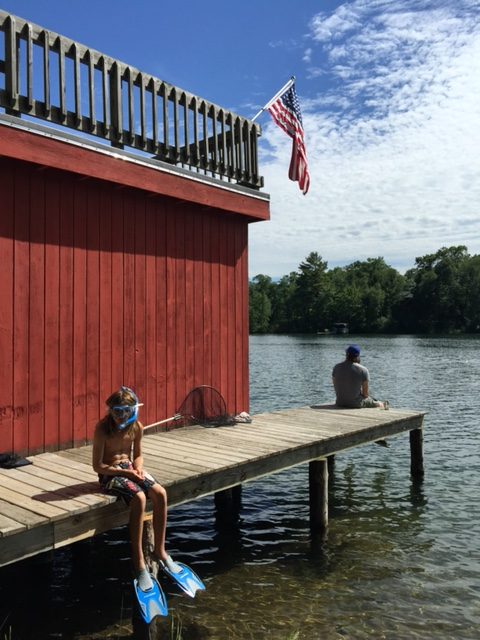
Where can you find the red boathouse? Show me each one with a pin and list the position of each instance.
(123, 243)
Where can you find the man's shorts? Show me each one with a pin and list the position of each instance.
(369, 403)
(124, 487)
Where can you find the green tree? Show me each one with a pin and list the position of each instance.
(311, 297)
(470, 285)
(374, 288)
(260, 303)
(283, 311)
(439, 299)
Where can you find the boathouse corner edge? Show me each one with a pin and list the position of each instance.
(124, 253)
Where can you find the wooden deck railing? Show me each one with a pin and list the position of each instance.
(48, 76)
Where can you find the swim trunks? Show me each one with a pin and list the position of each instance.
(124, 487)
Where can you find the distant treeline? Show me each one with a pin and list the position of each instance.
(441, 294)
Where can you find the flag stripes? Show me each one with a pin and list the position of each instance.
(286, 113)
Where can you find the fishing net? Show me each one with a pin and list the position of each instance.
(205, 406)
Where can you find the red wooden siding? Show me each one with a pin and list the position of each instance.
(104, 285)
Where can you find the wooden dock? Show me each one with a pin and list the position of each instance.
(56, 500)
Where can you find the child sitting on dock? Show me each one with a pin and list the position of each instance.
(350, 380)
(117, 458)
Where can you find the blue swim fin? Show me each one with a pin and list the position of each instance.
(152, 601)
(186, 579)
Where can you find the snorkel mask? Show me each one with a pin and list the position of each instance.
(126, 413)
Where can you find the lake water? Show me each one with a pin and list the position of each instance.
(402, 558)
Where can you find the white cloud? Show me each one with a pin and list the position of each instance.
(307, 56)
(393, 139)
(344, 19)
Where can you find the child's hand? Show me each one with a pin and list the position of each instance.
(134, 474)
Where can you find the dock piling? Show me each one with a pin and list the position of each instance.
(416, 453)
(228, 503)
(318, 489)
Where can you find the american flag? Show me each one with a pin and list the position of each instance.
(285, 111)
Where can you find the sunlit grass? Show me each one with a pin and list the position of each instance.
(176, 628)
(6, 632)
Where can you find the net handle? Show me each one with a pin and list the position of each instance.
(175, 418)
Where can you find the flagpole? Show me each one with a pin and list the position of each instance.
(286, 87)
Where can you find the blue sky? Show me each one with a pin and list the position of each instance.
(390, 94)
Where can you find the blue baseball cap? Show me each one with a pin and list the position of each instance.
(353, 350)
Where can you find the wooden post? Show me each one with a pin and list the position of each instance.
(148, 545)
(318, 486)
(416, 453)
(331, 463)
(141, 630)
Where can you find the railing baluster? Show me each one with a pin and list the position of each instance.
(143, 126)
(186, 143)
(176, 151)
(61, 80)
(205, 158)
(239, 148)
(213, 111)
(154, 87)
(166, 133)
(257, 181)
(46, 73)
(29, 68)
(116, 133)
(196, 148)
(106, 100)
(246, 145)
(131, 107)
(78, 98)
(231, 149)
(91, 91)
(223, 146)
(11, 64)
(253, 155)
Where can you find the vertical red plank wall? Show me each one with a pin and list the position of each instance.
(7, 256)
(102, 286)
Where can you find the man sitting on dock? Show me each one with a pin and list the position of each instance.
(350, 379)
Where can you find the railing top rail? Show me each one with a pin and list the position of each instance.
(121, 104)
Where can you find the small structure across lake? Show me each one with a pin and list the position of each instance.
(56, 500)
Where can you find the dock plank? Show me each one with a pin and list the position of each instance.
(64, 469)
(63, 458)
(9, 526)
(25, 518)
(177, 448)
(174, 458)
(41, 508)
(253, 436)
(45, 494)
(51, 481)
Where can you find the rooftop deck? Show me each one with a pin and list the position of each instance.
(56, 501)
